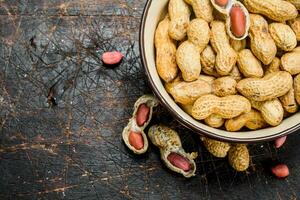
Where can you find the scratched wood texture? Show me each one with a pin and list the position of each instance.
(62, 113)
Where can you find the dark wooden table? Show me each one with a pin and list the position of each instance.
(62, 113)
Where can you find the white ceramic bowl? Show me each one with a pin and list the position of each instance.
(154, 11)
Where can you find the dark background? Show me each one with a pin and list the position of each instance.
(62, 113)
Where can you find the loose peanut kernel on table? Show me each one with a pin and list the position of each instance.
(216, 61)
(280, 171)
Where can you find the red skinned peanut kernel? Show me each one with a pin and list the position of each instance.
(136, 140)
(179, 161)
(222, 3)
(238, 21)
(142, 114)
(279, 142)
(280, 171)
(112, 58)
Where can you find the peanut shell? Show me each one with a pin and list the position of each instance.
(238, 157)
(165, 52)
(288, 101)
(295, 25)
(269, 87)
(277, 10)
(229, 23)
(188, 60)
(202, 9)
(188, 92)
(274, 66)
(261, 43)
(296, 3)
(249, 65)
(132, 126)
(198, 33)
(224, 86)
(214, 120)
(283, 36)
(208, 59)
(168, 141)
(235, 73)
(226, 107)
(272, 111)
(252, 120)
(297, 88)
(222, 9)
(226, 55)
(216, 148)
(238, 45)
(179, 13)
(291, 62)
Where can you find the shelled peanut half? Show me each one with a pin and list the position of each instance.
(231, 64)
(133, 134)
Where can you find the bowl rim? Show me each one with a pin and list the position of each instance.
(179, 118)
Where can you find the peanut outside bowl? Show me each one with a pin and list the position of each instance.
(154, 12)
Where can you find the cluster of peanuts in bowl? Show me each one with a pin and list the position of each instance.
(233, 64)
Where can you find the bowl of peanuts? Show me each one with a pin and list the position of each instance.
(226, 69)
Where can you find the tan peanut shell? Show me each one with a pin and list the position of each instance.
(132, 126)
(214, 120)
(229, 23)
(187, 108)
(297, 49)
(297, 88)
(226, 55)
(188, 60)
(151, 102)
(198, 33)
(296, 3)
(216, 148)
(235, 73)
(274, 66)
(272, 111)
(295, 25)
(165, 52)
(277, 10)
(202, 9)
(288, 101)
(249, 65)
(206, 78)
(238, 157)
(224, 86)
(262, 45)
(168, 141)
(188, 92)
(222, 9)
(291, 62)
(226, 107)
(283, 36)
(179, 13)
(238, 45)
(269, 87)
(252, 120)
(208, 60)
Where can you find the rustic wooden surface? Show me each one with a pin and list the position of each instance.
(62, 113)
